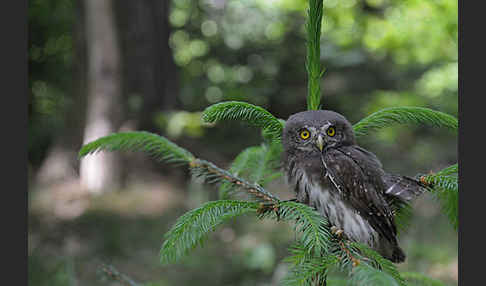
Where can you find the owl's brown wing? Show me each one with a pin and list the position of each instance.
(357, 177)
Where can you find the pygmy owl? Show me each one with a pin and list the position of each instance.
(344, 182)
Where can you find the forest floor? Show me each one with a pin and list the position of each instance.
(72, 234)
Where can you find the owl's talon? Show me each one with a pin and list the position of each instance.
(337, 232)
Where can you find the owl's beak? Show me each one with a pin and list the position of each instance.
(320, 142)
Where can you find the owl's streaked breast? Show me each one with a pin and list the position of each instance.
(318, 193)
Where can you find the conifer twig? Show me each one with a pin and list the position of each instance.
(312, 64)
(343, 247)
(163, 149)
(211, 171)
(111, 272)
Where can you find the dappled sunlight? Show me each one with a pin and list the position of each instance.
(67, 200)
(213, 81)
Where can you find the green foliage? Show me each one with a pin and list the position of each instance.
(447, 182)
(58, 271)
(156, 146)
(50, 80)
(364, 275)
(308, 270)
(402, 215)
(316, 250)
(213, 174)
(377, 261)
(238, 167)
(444, 185)
(313, 65)
(418, 279)
(314, 228)
(404, 115)
(249, 113)
(110, 273)
(257, 164)
(453, 169)
(193, 227)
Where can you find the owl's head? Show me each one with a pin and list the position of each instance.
(317, 131)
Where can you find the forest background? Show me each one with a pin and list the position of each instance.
(105, 66)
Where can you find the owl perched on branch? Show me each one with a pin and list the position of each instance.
(344, 182)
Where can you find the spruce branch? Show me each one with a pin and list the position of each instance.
(249, 113)
(444, 185)
(259, 164)
(162, 149)
(313, 58)
(451, 170)
(377, 261)
(402, 212)
(314, 228)
(365, 275)
(446, 178)
(213, 174)
(445, 182)
(239, 168)
(193, 227)
(343, 245)
(404, 115)
(420, 279)
(158, 147)
(307, 270)
(110, 272)
(449, 200)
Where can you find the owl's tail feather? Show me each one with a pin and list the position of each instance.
(390, 250)
(398, 255)
(403, 187)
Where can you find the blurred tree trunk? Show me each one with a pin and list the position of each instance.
(149, 72)
(61, 164)
(103, 114)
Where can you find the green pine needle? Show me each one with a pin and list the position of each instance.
(447, 182)
(164, 150)
(213, 174)
(191, 229)
(403, 214)
(238, 168)
(258, 164)
(453, 169)
(378, 261)
(365, 275)
(404, 115)
(316, 250)
(444, 185)
(310, 272)
(251, 114)
(157, 146)
(449, 199)
(419, 279)
(315, 235)
(313, 58)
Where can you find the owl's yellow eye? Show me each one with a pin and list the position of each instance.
(331, 131)
(304, 134)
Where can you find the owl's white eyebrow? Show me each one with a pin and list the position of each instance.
(309, 127)
(325, 126)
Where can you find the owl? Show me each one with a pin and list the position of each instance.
(344, 182)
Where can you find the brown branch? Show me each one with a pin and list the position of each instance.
(254, 189)
(111, 272)
(423, 180)
(356, 261)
